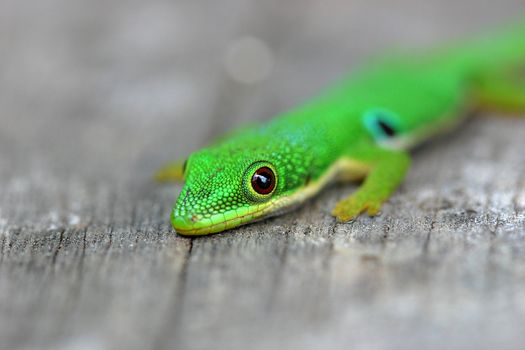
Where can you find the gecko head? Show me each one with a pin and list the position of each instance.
(227, 187)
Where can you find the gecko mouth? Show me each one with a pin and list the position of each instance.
(196, 226)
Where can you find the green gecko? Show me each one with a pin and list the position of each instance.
(361, 129)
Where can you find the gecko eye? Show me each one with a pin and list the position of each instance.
(263, 181)
(260, 181)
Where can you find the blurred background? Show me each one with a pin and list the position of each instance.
(96, 95)
(150, 81)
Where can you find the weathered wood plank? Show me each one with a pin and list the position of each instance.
(93, 101)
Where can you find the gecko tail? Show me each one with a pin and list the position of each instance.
(500, 61)
(504, 47)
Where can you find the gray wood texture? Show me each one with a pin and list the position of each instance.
(96, 95)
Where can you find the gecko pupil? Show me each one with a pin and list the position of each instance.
(263, 181)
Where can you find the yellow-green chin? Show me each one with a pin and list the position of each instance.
(199, 226)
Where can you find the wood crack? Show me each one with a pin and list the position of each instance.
(283, 257)
(2, 246)
(58, 248)
(174, 321)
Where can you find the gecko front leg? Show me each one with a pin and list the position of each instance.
(387, 170)
(172, 172)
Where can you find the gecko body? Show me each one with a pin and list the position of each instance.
(361, 129)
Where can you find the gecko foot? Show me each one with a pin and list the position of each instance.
(350, 208)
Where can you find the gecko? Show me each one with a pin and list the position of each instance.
(361, 129)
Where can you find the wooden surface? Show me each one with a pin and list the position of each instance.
(95, 95)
